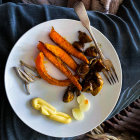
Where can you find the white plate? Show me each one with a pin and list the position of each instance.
(25, 49)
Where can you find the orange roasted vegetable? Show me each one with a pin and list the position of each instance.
(43, 73)
(67, 59)
(59, 64)
(64, 44)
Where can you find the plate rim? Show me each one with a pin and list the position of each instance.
(83, 27)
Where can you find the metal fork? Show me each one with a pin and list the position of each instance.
(110, 72)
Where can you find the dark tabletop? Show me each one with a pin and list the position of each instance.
(123, 31)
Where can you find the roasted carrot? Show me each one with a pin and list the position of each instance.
(59, 64)
(67, 59)
(44, 75)
(64, 44)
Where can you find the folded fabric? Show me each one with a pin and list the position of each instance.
(122, 31)
(106, 6)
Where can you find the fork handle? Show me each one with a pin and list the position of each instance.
(95, 42)
(82, 14)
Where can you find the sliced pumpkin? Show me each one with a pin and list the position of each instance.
(44, 75)
(66, 58)
(64, 44)
(59, 64)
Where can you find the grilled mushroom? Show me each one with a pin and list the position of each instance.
(97, 65)
(77, 92)
(83, 37)
(82, 70)
(92, 61)
(79, 46)
(91, 52)
(69, 94)
(93, 84)
(87, 86)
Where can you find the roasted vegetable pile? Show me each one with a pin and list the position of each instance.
(87, 78)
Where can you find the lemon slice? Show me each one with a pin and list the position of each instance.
(84, 105)
(81, 98)
(77, 114)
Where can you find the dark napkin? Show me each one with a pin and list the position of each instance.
(122, 30)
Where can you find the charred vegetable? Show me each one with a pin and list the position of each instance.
(60, 53)
(93, 84)
(44, 75)
(98, 79)
(96, 90)
(58, 63)
(82, 70)
(79, 46)
(87, 86)
(91, 52)
(92, 61)
(97, 65)
(65, 45)
(69, 94)
(77, 92)
(83, 37)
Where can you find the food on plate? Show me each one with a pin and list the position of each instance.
(84, 105)
(59, 64)
(78, 45)
(96, 90)
(66, 58)
(69, 94)
(83, 37)
(91, 52)
(77, 92)
(44, 75)
(87, 77)
(81, 98)
(25, 77)
(92, 61)
(49, 111)
(33, 69)
(97, 65)
(86, 72)
(82, 70)
(39, 103)
(93, 83)
(77, 114)
(61, 117)
(64, 44)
